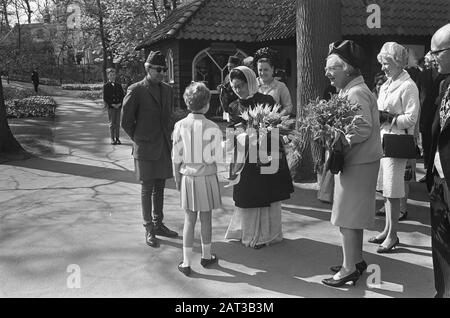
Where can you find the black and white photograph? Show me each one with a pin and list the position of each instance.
(219, 156)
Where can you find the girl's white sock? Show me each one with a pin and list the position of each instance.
(206, 251)
(187, 256)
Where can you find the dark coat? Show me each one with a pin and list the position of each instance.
(113, 94)
(35, 77)
(429, 92)
(257, 190)
(147, 119)
(441, 141)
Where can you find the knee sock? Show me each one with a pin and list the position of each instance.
(187, 256)
(206, 251)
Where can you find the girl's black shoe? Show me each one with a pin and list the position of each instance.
(208, 262)
(353, 277)
(185, 270)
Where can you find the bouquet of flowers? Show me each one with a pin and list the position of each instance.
(321, 122)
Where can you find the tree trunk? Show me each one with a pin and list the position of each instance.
(9, 146)
(318, 24)
(5, 12)
(103, 39)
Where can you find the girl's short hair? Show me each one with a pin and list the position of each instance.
(237, 74)
(196, 96)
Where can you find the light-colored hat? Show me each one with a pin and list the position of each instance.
(396, 52)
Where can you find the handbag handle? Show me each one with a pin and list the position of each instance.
(392, 125)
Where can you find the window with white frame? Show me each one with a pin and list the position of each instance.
(210, 67)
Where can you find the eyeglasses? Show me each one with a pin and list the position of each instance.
(159, 69)
(434, 53)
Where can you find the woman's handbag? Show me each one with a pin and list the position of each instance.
(399, 146)
(335, 162)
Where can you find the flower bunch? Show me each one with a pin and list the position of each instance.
(323, 118)
(265, 117)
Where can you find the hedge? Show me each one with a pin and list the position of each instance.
(35, 106)
(82, 87)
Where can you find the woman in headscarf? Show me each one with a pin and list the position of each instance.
(399, 106)
(258, 194)
(354, 193)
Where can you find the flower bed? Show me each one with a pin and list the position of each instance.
(82, 87)
(35, 106)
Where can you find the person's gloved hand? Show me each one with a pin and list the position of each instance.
(386, 117)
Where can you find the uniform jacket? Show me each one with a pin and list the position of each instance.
(440, 139)
(112, 94)
(147, 118)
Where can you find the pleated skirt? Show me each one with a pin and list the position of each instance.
(200, 193)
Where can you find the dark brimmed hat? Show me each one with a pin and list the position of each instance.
(349, 51)
(234, 60)
(156, 58)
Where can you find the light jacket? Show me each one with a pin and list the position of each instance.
(400, 97)
(364, 138)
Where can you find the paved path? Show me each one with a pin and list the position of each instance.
(81, 206)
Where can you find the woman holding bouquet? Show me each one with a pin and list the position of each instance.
(257, 217)
(354, 194)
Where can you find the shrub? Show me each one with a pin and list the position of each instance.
(36, 106)
(82, 87)
(91, 95)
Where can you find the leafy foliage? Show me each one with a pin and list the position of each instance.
(35, 106)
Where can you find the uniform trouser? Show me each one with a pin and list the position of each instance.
(440, 236)
(35, 86)
(426, 143)
(114, 122)
(152, 198)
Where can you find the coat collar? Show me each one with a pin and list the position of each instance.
(354, 82)
(391, 85)
(151, 89)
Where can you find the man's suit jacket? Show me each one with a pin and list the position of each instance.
(441, 141)
(147, 119)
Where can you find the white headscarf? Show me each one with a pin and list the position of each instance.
(251, 80)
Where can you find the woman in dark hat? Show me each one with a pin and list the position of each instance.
(354, 194)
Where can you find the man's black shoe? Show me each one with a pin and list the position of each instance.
(163, 230)
(150, 237)
(118, 141)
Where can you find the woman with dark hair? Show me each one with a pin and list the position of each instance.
(258, 194)
(266, 60)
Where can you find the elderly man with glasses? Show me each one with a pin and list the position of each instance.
(438, 162)
(147, 119)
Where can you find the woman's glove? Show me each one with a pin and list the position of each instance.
(386, 117)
